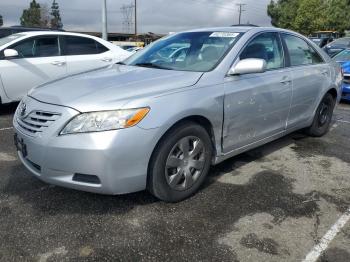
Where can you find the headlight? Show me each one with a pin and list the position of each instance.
(104, 121)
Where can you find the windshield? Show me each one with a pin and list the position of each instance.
(343, 56)
(342, 41)
(192, 51)
(8, 39)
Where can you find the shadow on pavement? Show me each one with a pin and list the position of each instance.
(8, 109)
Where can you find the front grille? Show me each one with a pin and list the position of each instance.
(36, 121)
(347, 79)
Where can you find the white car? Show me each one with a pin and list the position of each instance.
(30, 59)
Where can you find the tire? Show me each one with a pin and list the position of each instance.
(180, 162)
(323, 117)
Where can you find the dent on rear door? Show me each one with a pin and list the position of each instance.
(308, 85)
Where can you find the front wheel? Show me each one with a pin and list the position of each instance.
(323, 117)
(180, 163)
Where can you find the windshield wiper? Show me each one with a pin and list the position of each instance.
(120, 63)
(151, 65)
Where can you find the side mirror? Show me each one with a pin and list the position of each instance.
(249, 66)
(10, 53)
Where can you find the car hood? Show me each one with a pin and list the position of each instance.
(112, 87)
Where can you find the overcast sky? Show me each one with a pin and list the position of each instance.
(158, 16)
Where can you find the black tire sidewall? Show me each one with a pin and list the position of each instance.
(157, 183)
(315, 129)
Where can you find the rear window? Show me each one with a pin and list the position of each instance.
(75, 45)
(300, 52)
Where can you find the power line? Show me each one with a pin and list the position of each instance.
(135, 6)
(240, 11)
(128, 11)
(104, 20)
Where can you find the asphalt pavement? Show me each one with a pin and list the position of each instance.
(279, 202)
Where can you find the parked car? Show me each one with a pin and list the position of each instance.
(158, 124)
(33, 58)
(321, 42)
(134, 49)
(6, 31)
(343, 58)
(337, 46)
(126, 47)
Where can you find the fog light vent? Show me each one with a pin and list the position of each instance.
(90, 179)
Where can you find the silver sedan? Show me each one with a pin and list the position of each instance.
(159, 122)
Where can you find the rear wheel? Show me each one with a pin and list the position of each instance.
(323, 117)
(180, 163)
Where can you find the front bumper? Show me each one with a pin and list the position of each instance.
(346, 92)
(119, 159)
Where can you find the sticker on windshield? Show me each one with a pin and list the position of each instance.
(224, 34)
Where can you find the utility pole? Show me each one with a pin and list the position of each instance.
(104, 20)
(135, 18)
(241, 10)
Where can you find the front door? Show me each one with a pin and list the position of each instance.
(39, 61)
(256, 106)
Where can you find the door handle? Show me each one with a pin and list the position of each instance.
(58, 63)
(107, 59)
(286, 80)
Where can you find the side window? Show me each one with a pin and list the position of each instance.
(300, 52)
(101, 48)
(76, 45)
(46, 47)
(265, 46)
(38, 47)
(25, 48)
(316, 58)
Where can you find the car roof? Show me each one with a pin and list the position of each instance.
(241, 29)
(25, 35)
(38, 33)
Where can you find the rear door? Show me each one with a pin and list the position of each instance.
(310, 75)
(83, 54)
(257, 105)
(39, 61)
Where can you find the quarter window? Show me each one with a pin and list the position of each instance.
(300, 52)
(266, 46)
(38, 47)
(83, 46)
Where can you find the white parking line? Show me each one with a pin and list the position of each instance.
(6, 128)
(317, 251)
(343, 121)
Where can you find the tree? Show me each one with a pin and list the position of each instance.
(1, 20)
(45, 16)
(338, 18)
(31, 17)
(307, 16)
(311, 16)
(283, 12)
(56, 21)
